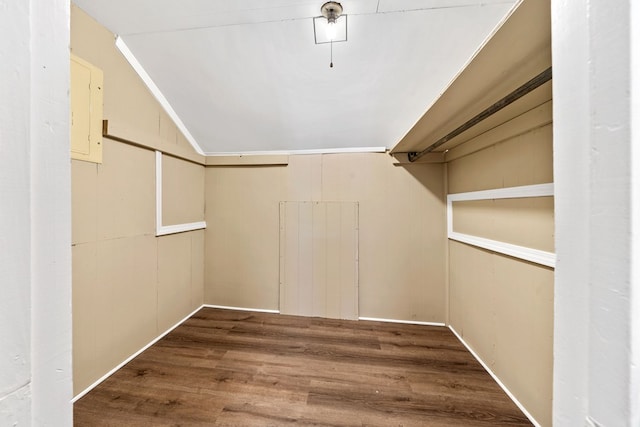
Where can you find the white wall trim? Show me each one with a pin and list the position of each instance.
(133, 356)
(180, 228)
(496, 379)
(155, 91)
(294, 152)
(257, 310)
(521, 252)
(537, 190)
(163, 230)
(158, 191)
(404, 322)
(36, 331)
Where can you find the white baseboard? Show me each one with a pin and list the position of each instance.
(406, 322)
(133, 356)
(257, 310)
(496, 379)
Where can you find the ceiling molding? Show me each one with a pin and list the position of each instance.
(311, 151)
(267, 160)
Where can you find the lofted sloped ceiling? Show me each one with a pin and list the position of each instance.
(245, 76)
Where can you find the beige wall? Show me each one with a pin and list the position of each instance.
(128, 285)
(525, 222)
(182, 191)
(401, 231)
(501, 306)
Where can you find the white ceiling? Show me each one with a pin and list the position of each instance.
(245, 76)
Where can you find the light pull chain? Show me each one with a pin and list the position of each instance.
(331, 64)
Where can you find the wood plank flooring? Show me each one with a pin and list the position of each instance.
(233, 368)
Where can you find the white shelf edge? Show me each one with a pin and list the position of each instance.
(521, 252)
(537, 190)
(180, 228)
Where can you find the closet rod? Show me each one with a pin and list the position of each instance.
(529, 86)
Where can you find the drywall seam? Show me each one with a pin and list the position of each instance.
(357, 266)
(133, 356)
(163, 230)
(226, 307)
(404, 322)
(521, 252)
(496, 379)
(155, 91)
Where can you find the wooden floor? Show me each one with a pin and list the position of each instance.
(232, 368)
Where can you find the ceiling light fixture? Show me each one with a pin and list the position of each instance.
(332, 11)
(331, 26)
